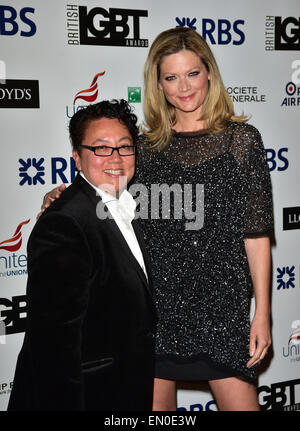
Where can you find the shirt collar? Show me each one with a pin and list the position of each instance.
(125, 205)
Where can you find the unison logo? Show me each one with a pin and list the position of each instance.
(292, 349)
(89, 95)
(12, 264)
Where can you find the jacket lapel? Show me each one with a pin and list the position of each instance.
(112, 225)
(140, 238)
(127, 251)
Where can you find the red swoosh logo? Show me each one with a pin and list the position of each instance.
(15, 242)
(91, 93)
(294, 336)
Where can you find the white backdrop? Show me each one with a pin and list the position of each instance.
(45, 62)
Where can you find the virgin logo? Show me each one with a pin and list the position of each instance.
(91, 93)
(15, 242)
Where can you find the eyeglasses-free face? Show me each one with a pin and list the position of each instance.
(106, 172)
(184, 81)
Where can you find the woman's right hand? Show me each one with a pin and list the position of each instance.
(51, 197)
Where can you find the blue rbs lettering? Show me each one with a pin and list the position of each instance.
(274, 159)
(9, 25)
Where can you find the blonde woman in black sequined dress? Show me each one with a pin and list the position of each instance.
(203, 278)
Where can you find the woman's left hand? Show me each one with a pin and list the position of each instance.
(260, 339)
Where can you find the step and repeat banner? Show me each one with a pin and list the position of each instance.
(58, 56)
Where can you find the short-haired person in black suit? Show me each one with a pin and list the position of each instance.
(89, 343)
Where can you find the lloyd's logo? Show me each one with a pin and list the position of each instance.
(291, 218)
(89, 95)
(16, 93)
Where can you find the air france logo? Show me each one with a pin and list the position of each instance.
(292, 88)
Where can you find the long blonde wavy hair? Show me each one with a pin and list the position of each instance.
(160, 115)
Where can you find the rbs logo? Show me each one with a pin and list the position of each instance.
(277, 160)
(221, 32)
(10, 23)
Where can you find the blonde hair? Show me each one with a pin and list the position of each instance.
(160, 115)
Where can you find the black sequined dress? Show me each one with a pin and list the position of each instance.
(202, 283)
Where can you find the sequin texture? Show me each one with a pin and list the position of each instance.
(202, 283)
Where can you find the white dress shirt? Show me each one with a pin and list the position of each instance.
(123, 211)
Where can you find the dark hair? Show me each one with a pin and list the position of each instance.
(118, 109)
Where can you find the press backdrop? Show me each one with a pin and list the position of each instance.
(57, 56)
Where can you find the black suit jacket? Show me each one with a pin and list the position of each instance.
(89, 340)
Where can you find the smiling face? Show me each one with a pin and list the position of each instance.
(107, 173)
(184, 81)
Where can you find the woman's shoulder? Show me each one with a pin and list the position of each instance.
(243, 128)
(145, 156)
(145, 148)
(245, 136)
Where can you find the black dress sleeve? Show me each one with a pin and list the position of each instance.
(250, 155)
(259, 210)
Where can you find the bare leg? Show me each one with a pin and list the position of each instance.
(164, 395)
(233, 394)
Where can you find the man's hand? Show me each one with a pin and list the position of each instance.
(51, 197)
